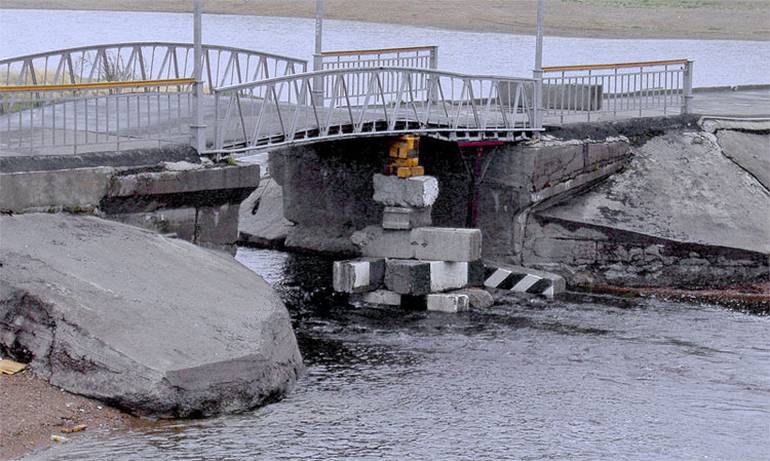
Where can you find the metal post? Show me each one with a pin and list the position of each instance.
(538, 72)
(318, 90)
(687, 99)
(198, 128)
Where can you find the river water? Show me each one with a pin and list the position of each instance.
(581, 379)
(717, 62)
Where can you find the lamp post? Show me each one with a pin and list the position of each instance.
(538, 72)
(198, 128)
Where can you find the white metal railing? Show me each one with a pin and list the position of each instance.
(101, 116)
(572, 93)
(385, 100)
(142, 61)
(416, 57)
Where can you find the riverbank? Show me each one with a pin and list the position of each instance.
(33, 411)
(716, 19)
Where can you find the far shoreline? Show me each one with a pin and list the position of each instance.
(556, 27)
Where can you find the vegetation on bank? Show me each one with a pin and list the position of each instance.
(703, 19)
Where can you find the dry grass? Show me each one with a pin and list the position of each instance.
(705, 19)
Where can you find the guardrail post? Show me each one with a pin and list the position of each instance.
(687, 96)
(434, 57)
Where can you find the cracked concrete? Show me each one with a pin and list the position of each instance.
(152, 325)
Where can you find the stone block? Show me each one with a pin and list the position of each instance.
(478, 298)
(408, 277)
(382, 297)
(375, 242)
(403, 218)
(358, 275)
(447, 244)
(420, 191)
(476, 273)
(448, 302)
(448, 275)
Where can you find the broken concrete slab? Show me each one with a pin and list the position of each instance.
(447, 302)
(750, 151)
(358, 275)
(261, 220)
(405, 218)
(173, 330)
(418, 191)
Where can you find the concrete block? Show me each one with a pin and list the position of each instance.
(382, 297)
(478, 298)
(408, 277)
(524, 280)
(401, 218)
(448, 275)
(447, 244)
(375, 242)
(448, 302)
(358, 275)
(476, 273)
(75, 188)
(420, 191)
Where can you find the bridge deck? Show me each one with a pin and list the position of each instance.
(171, 125)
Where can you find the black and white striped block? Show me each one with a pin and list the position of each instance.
(523, 280)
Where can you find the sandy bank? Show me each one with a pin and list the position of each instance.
(716, 19)
(31, 411)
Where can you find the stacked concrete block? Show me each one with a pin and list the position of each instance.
(420, 262)
(358, 276)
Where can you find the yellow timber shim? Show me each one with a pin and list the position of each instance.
(404, 157)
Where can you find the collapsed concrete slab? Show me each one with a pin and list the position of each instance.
(152, 325)
(261, 220)
(418, 191)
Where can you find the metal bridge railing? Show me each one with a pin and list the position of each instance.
(222, 66)
(66, 118)
(286, 110)
(593, 92)
(416, 57)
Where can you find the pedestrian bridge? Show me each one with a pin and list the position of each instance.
(129, 95)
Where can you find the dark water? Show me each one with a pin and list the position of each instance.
(579, 379)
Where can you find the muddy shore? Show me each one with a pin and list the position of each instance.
(691, 19)
(32, 411)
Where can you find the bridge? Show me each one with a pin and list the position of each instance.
(127, 95)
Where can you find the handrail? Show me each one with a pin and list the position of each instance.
(96, 85)
(621, 65)
(378, 50)
(144, 44)
(319, 73)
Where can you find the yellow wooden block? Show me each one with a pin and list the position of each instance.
(414, 161)
(404, 172)
(9, 367)
(417, 171)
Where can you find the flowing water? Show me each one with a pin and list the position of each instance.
(583, 379)
(717, 62)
